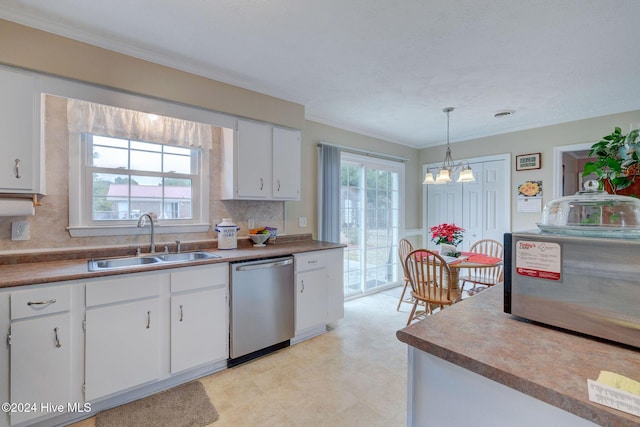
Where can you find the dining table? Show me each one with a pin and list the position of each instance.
(469, 260)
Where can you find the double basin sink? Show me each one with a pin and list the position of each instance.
(128, 262)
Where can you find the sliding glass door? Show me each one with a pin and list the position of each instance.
(370, 222)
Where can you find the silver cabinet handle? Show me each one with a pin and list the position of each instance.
(313, 261)
(55, 331)
(278, 185)
(181, 314)
(51, 301)
(261, 184)
(17, 169)
(268, 264)
(302, 282)
(148, 319)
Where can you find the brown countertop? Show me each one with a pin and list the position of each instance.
(30, 272)
(550, 365)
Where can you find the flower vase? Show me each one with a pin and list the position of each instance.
(449, 250)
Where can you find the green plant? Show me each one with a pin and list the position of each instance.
(617, 159)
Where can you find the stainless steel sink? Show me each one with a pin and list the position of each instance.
(128, 262)
(187, 256)
(114, 263)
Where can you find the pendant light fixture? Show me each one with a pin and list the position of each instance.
(448, 167)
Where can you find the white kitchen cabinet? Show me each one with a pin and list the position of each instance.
(311, 298)
(199, 316)
(19, 133)
(40, 342)
(286, 164)
(261, 162)
(319, 283)
(254, 160)
(123, 330)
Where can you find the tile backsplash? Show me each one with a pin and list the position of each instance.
(48, 228)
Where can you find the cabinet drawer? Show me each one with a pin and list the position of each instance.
(124, 288)
(190, 278)
(310, 261)
(36, 302)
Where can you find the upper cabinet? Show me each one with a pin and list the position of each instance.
(261, 162)
(286, 164)
(20, 166)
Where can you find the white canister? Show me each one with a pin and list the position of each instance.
(227, 234)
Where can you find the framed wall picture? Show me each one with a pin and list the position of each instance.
(528, 161)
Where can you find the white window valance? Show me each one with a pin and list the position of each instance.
(84, 116)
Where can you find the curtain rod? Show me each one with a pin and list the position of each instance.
(365, 153)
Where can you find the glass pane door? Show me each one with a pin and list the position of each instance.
(370, 223)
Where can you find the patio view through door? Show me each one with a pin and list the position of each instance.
(370, 221)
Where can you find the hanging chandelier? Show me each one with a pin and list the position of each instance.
(448, 167)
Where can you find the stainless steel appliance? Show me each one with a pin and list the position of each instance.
(584, 284)
(581, 270)
(262, 307)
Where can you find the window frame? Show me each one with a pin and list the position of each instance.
(81, 223)
(90, 169)
(64, 88)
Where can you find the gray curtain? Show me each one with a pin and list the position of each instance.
(328, 193)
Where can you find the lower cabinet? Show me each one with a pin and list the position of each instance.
(319, 289)
(199, 317)
(40, 352)
(94, 340)
(122, 333)
(311, 299)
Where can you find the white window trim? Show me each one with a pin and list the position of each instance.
(79, 227)
(70, 89)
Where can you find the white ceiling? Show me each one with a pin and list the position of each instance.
(384, 68)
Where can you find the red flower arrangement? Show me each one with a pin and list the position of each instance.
(446, 233)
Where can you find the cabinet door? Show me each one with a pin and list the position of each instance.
(122, 347)
(199, 331)
(40, 363)
(286, 164)
(253, 160)
(311, 299)
(17, 114)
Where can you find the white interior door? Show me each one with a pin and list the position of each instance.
(444, 205)
(496, 201)
(482, 207)
(473, 208)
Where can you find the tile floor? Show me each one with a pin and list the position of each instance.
(354, 375)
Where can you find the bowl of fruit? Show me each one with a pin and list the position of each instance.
(259, 237)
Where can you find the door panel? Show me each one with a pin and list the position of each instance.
(444, 205)
(495, 199)
(481, 207)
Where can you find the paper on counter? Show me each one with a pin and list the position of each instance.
(615, 391)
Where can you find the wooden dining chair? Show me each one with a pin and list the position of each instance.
(485, 276)
(430, 279)
(404, 247)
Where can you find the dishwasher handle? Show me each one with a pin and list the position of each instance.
(263, 265)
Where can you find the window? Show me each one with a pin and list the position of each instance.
(124, 163)
(128, 178)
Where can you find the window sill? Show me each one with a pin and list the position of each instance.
(132, 230)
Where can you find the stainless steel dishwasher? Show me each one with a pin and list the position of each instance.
(262, 307)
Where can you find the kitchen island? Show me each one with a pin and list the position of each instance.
(473, 364)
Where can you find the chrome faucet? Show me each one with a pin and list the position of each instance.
(152, 248)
